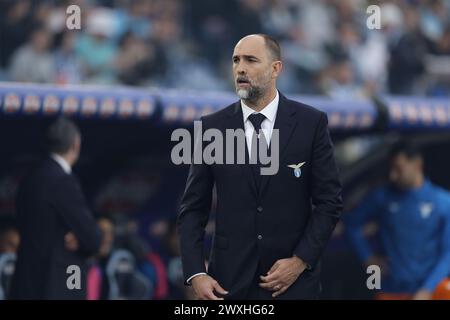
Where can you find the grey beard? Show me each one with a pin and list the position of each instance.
(251, 94)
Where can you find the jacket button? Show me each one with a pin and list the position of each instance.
(259, 209)
(259, 237)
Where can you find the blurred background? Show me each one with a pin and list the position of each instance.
(139, 69)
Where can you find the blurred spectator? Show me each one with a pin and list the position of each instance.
(407, 63)
(67, 64)
(96, 49)
(210, 26)
(443, 44)
(9, 244)
(433, 17)
(317, 19)
(9, 237)
(413, 216)
(177, 287)
(97, 282)
(371, 61)
(107, 230)
(303, 63)
(136, 18)
(125, 267)
(248, 20)
(114, 272)
(187, 44)
(279, 18)
(15, 27)
(42, 11)
(137, 62)
(33, 62)
(340, 82)
(148, 262)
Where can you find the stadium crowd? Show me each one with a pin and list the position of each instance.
(327, 46)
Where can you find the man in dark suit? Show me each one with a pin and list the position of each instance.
(270, 229)
(57, 230)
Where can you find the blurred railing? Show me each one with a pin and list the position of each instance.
(169, 106)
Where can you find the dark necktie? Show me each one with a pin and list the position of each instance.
(258, 140)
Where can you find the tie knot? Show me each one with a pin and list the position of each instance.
(256, 119)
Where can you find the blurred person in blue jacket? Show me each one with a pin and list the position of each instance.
(413, 216)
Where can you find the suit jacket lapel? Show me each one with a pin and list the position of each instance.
(236, 122)
(285, 123)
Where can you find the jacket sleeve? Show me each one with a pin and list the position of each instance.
(71, 205)
(355, 220)
(325, 195)
(193, 216)
(442, 267)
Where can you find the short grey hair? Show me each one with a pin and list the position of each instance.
(272, 46)
(61, 135)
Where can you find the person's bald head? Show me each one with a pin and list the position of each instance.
(263, 41)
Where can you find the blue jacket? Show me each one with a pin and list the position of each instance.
(414, 229)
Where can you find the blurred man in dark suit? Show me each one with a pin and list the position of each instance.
(56, 227)
(271, 230)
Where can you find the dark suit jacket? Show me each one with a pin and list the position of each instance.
(286, 216)
(50, 203)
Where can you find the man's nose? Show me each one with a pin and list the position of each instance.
(240, 69)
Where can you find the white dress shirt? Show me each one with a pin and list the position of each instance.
(270, 112)
(63, 163)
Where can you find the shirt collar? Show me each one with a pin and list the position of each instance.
(63, 163)
(269, 111)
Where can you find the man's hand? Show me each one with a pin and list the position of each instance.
(71, 242)
(204, 286)
(423, 295)
(282, 275)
